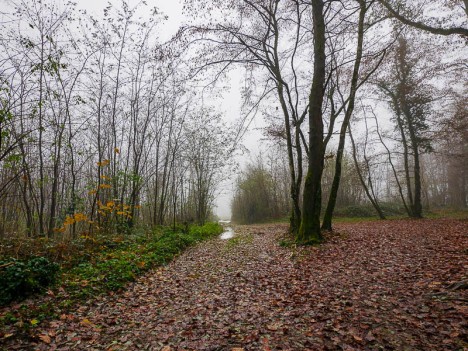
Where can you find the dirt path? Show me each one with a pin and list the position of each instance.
(376, 286)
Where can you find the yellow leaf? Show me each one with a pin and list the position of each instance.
(103, 163)
(116, 150)
(69, 221)
(7, 335)
(110, 204)
(34, 322)
(92, 192)
(105, 186)
(86, 322)
(80, 217)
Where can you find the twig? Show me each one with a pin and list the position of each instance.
(7, 265)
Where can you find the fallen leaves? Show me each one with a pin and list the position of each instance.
(86, 322)
(274, 327)
(45, 338)
(378, 285)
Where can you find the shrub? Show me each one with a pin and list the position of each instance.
(355, 211)
(19, 279)
(367, 210)
(392, 209)
(95, 265)
(206, 231)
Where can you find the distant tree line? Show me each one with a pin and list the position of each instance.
(261, 191)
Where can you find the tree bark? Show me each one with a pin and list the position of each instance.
(295, 218)
(416, 205)
(327, 219)
(309, 231)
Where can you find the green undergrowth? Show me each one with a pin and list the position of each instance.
(287, 241)
(283, 219)
(108, 270)
(447, 213)
(112, 269)
(19, 279)
(367, 211)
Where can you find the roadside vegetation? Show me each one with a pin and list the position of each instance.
(80, 270)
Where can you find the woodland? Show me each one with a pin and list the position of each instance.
(349, 216)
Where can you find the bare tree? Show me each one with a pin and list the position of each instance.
(268, 36)
(408, 15)
(410, 102)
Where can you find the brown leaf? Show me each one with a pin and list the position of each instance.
(357, 338)
(273, 326)
(370, 337)
(45, 338)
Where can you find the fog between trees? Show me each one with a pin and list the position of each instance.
(104, 128)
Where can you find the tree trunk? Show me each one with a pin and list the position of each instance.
(295, 218)
(400, 189)
(42, 178)
(416, 209)
(327, 219)
(309, 231)
(370, 195)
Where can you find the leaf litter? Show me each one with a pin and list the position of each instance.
(389, 285)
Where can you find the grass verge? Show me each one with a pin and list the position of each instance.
(106, 271)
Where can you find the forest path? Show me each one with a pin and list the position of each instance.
(376, 285)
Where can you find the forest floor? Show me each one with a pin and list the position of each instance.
(383, 285)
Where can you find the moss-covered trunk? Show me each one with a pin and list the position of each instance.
(309, 231)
